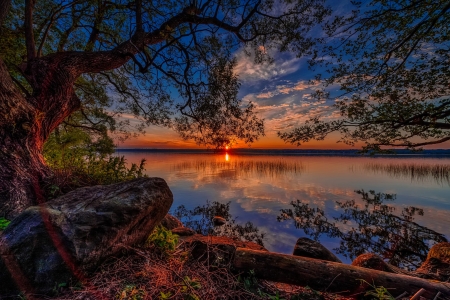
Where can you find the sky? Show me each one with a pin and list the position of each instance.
(282, 94)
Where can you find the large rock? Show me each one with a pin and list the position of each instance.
(437, 264)
(309, 248)
(64, 239)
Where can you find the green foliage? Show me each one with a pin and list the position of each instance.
(165, 296)
(377, 292)
(188, 288)
(391, 61)
(164, 239)
(250, 283)
(200, 219)
(4, 223)
(131, 292)
(78, 158)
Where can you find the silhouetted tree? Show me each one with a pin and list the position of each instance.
(167, 62)
(391, 61)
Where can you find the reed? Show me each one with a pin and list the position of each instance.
(417, 172)
(243, 168)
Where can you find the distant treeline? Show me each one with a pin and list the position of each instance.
(394, 152)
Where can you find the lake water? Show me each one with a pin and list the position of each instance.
(259, 186)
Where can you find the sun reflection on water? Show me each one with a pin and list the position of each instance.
(227, 157)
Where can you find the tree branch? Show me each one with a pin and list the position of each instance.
(5, 5)
(29, 35)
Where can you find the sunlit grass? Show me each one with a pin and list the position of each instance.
(418, 172)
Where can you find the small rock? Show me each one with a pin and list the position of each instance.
(372, 261)
(219, 221)
(308, 248)
(437, 264)
(183, 231)
(170, 222)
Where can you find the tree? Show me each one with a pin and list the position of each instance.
(168, 62)
(391, 60)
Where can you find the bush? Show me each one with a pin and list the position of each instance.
(163, 239)
(78, 159)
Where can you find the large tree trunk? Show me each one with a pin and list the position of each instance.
(25, 124)
(21, 163)
(22, 170)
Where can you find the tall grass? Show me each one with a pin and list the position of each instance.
(416, 172)
(243, 168)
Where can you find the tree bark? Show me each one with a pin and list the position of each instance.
(329, 276)
(22, 166)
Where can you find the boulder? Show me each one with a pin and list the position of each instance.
(437, 264)
(308, 248)
(61, 241)
(170, 222)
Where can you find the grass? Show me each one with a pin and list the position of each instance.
(417, 172)
(243, 168)
(143, 274)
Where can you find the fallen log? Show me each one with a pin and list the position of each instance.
(332, 277)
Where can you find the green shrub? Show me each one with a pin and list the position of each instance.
(79, 159)
(377, 292)
(163, 239)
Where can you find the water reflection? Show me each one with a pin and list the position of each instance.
(371, 228)
(317, 180)
(201, 217)
(233, 168)
(417, 172)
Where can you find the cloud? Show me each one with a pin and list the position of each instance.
(251, 72)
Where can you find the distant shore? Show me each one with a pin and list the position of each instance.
(329, 152)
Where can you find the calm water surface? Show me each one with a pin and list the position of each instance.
(259, 186)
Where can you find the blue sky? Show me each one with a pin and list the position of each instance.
(282, 94)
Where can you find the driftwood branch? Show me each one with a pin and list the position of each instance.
(321, 275)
